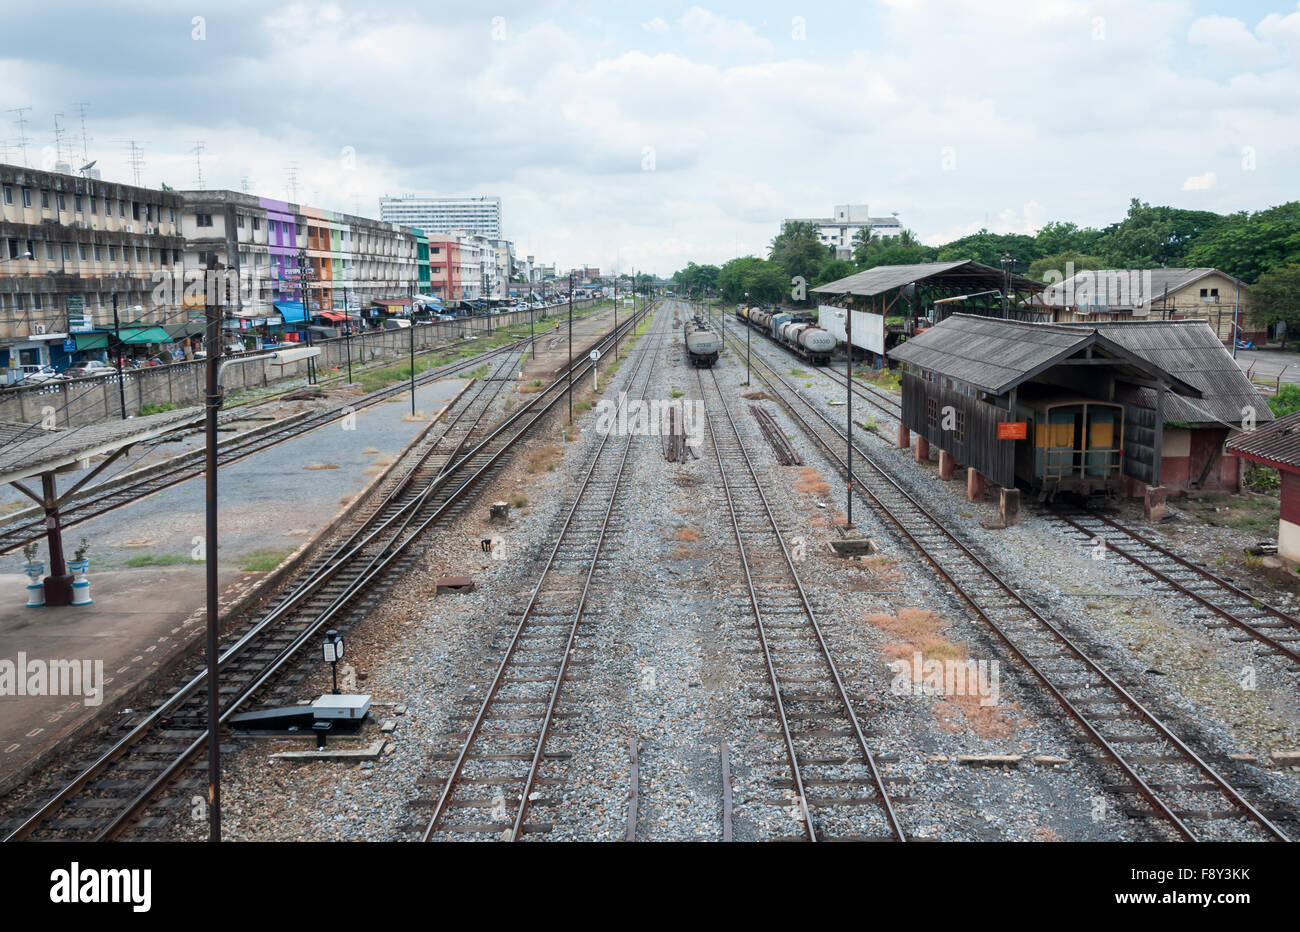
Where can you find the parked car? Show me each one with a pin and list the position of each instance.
(88, 369)
(35, 375)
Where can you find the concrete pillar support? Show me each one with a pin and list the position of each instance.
(922, 449)
(974, 485)
(904, 437)
(1009, 506)
(1153, 502)
(945, 465)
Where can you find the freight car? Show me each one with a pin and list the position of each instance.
(1072, 444)
(796, 333)
(702, 344)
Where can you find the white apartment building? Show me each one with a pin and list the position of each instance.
(481, 215)
(839, 229)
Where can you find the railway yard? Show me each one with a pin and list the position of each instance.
(659, 624)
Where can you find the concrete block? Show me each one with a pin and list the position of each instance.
(904, 437)
(1153, 502)
(922, 449)
(945, 465)
(974, 485)
(1009, 506)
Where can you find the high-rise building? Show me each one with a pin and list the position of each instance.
(480, 215)
(837, 231)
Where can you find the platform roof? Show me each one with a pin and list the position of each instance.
(27, 450)
(962, 275)
(996, 355)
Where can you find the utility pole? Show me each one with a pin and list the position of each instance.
(616, 316)
(570, 347)
(304, 276)
(848, 429)
(347, 330)
(411, 328)
(1236, 308)
(749, 325)
(121, 367)
(212, 402)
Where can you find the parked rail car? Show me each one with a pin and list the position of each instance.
(796, 333)
(703, 346)
(1073, 444)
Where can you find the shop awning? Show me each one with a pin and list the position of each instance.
(336, 316)
(291, 311)
(89, 341)
(145, 335)
(188, 329)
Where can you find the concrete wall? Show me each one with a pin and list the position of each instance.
(87, 401)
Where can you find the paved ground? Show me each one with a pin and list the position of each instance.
(553, 344)
(1268, 364)
(272, 501)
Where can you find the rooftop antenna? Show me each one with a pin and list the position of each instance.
(135, 159)
(85, 140)
(58, 138)
(291, 175)
(243, 184)
(199, 146)
(21, 120)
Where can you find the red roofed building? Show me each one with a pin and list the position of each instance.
(1278, 445)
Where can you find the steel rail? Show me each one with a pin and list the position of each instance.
(388, 553)
(859, 737)
(498, 678)
(1144, 788)
(1274, 644)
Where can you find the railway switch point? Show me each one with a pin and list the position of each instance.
(945, 465)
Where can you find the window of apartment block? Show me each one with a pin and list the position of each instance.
(99, 254)
(239, 221)
(112, 253)
(121, 208)
(38, 304)
(257, 224)
(135, 210)
(9, 194)
(19, 302)
(30, 250)
(76, 203)
(148, 212)
(81, 251)
(27, 197)
(67, 252)
(60, 202)
(49, 251)
(45, 199)
(13, 249)
(203, 220)
(94, 206)
(139, 254)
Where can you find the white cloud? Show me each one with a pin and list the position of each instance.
(656, 25)
(1200, 182)
(1228, 36)
(721, 33)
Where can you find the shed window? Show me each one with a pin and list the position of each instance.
(932, 412)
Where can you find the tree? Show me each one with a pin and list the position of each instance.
(1067, 263)
(1060, 237)
(765, 281)
(1153, 236)
(988, 248)
(834, 270)
(799, 251)
(696, 279)
(1248, 245)
(1276, 298)
(870, 250)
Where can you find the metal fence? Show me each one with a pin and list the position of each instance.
(77, 402)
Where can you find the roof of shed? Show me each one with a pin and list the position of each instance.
(995, 355)
(1278, 443)
(29, 450)
(1145, 285)
(966, 273)
(1191, 350)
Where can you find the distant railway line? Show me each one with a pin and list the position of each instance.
(1177, 787)
(145, 755)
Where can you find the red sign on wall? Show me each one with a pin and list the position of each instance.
(1013, 430)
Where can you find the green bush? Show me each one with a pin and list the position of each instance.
(1286, 401)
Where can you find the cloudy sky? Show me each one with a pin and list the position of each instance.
(646, 135)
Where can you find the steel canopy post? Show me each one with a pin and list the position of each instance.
(570, 348)
(121, 369)
(411, 327)
(848, 428)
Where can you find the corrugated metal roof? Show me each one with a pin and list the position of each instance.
(1278, 443)
(987, 352)
(1125, 288)
(887, 277)
(1191, 350)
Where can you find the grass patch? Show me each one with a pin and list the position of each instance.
(159, 408)
(545, 459)
(799, 373)
(519, 500)
(263, 561)
(158, 559)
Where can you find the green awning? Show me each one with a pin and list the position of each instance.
(146, 335)
(86, 341)
(187, 329)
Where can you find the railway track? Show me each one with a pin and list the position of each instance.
(490, 788)
(826, 751)
(111, 791)
(1218, 598)
(100, 500)
(1172, 783)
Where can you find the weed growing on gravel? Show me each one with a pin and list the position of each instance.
(162, 559)
(263, 561)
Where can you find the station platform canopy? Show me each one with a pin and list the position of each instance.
(964, 275)
(27, 450)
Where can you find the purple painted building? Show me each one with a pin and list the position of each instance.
(282, 243)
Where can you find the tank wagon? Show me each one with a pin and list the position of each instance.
(702, 344)
(794, 332)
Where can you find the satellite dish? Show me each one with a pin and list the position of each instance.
(88, 166)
